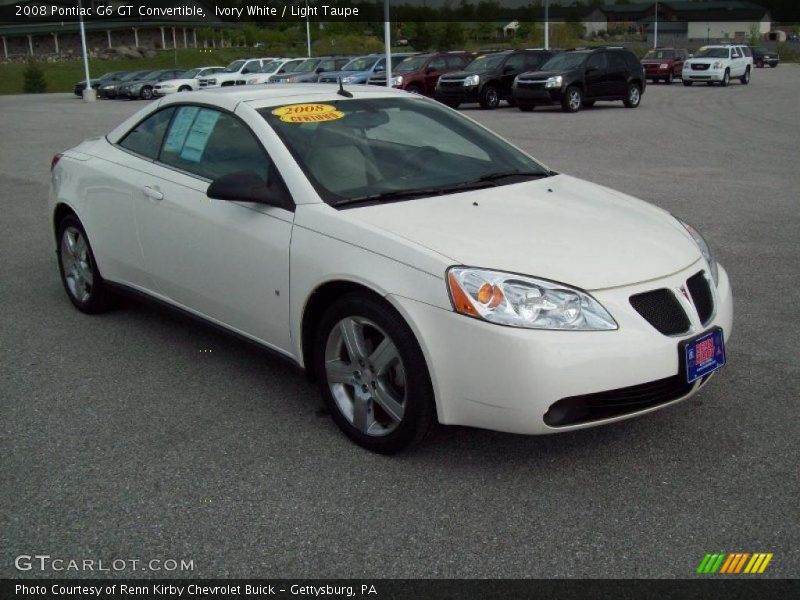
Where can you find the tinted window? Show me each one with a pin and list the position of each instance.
(211, 144)
(735, 53)
(456, 62)
(438, 64)
(145, 138)
(534, 61)
(598, 61)
(632, 61)
(515, 61)
(747, 51)
(617, 61)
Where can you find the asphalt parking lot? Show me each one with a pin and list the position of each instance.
(141, 434)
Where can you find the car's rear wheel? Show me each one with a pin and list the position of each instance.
(490, 97)
(572, 100)
(372, 374)
(773, 65)
(726, 78)
(745, 79)
(634, 96)
(146, 93)
(82, 281)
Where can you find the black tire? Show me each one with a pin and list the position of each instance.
(726, 78)
(146, 93)
(572, 101)
(687, 83)
(634, 96)
(490, 97)
(526, 107)
(773, 66)
(760, 64)
(588, 103)
(414, 89)
(185, 88)
(745, 79)
(419, 408)
(668, 78)
(100, 298)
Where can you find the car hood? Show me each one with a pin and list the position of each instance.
(579, 233)
(464, 74)
(542, 74)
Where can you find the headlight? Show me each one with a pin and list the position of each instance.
(348, 79)
(663, 66)
(472, 80)
(520, 301)
(554, 82)
(211, 81)
(705, 250)
(252, 81)
(108, 87)
(717, 65)
(397, 81)
(289, 80)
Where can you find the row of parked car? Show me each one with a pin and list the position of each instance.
(526, 78)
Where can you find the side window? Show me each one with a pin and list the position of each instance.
(617, 61)
(381, 65)
(145, 138)
(532, 61)
(516, 62)
(438, 64)
(633, 62)
(456, 62)
(326, 65)
(211, 144)
(735, 53)
(251, 67)
(340, 62)
(597, 61)
(748, 51)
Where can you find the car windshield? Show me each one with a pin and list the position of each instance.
(660, 54)
(411, 63)
(235, 66)
(566, 60)
(307, 65)
(361, 63)
(712, 53)
(291, 67)
(485, 63)
(364, 151)
(190, 74)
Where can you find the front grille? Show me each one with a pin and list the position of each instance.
(700, 67)
(615, 403)
(451, 83)
(703, 299)
(530, 82)
(662, 310)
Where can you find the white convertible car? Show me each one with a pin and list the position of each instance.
(417, 265)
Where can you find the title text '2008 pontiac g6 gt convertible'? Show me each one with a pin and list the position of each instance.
(418, 266)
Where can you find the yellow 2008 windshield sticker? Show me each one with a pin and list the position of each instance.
(307, 113)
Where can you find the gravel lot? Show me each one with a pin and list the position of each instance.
(121, 439)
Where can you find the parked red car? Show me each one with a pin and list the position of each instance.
(664, 64)
(419, 74)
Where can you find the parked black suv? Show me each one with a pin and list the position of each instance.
(578, 78)
(763, 57)
(488, 78)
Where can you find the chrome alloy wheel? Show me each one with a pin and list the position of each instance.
(574, 100)
(634, 95)
(76, 264)
(366, 376)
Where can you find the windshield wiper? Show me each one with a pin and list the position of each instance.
(475, 184)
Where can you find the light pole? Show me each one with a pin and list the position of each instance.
(655, 29)
(546, 24)
(387, 37)
(89, 94)
(308, 33)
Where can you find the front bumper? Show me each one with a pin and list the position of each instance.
(526, 93)
(506, 379)
(457, 93)
(710, 74)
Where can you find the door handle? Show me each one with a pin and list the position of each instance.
(152, 193)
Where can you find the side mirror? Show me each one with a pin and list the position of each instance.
(245, 71)
(244, 186)
(319, 70)
(691, 56)
(591, 70)
(430, 70)
(508, 69)
(380, 69)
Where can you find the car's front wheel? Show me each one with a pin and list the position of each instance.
(82, 281)
(634, 96)
(490, 97)
(146, 93)
(572, 100)
(373, 375)
(726, 78)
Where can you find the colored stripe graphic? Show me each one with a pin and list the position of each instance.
(703, 563)
(727, 563)
(765, 563)
(735, 563)
(741, 562)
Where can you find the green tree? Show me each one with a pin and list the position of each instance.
(33, 79)
(451, 36)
